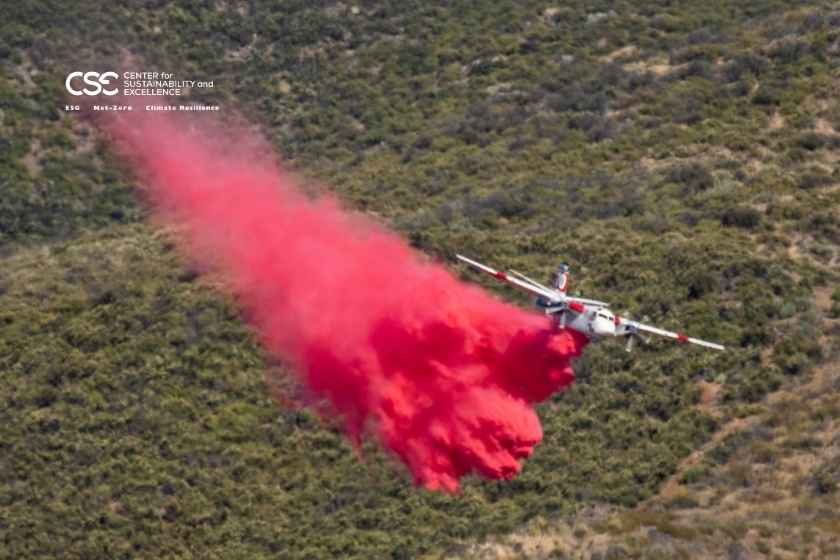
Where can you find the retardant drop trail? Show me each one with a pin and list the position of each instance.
(441, 372)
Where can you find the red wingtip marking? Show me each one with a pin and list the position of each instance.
(681, 338)
(577, 307)
(501, 275)
(617, 320)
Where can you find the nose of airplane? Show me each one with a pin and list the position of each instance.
(603, 327)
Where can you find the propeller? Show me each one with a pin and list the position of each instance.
(633, 334)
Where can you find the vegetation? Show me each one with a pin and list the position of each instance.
(680, 156)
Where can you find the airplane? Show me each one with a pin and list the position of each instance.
(587, 316)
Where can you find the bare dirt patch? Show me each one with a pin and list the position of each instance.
(624, 52)
(822, 126)
(657, 66)
(32, 159)
(709, 393)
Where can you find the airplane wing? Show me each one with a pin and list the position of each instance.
(679, 337)
(588, 301)
(523, 284)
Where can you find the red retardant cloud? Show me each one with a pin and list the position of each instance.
(441, 372)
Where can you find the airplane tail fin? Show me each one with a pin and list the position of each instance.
(561, 279)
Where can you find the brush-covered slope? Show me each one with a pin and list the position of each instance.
(681, 156)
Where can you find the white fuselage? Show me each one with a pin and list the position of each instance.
(594, 322)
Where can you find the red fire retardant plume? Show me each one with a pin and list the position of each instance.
(441, 372)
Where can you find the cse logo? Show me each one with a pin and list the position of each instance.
(94, 79)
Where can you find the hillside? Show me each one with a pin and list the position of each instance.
(681, 156)
(765, 485)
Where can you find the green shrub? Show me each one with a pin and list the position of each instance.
(825, 479)
(814, 179)
(695, 474)
(811, 141)
(767, 94)
(693, 177)
(741, 216)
